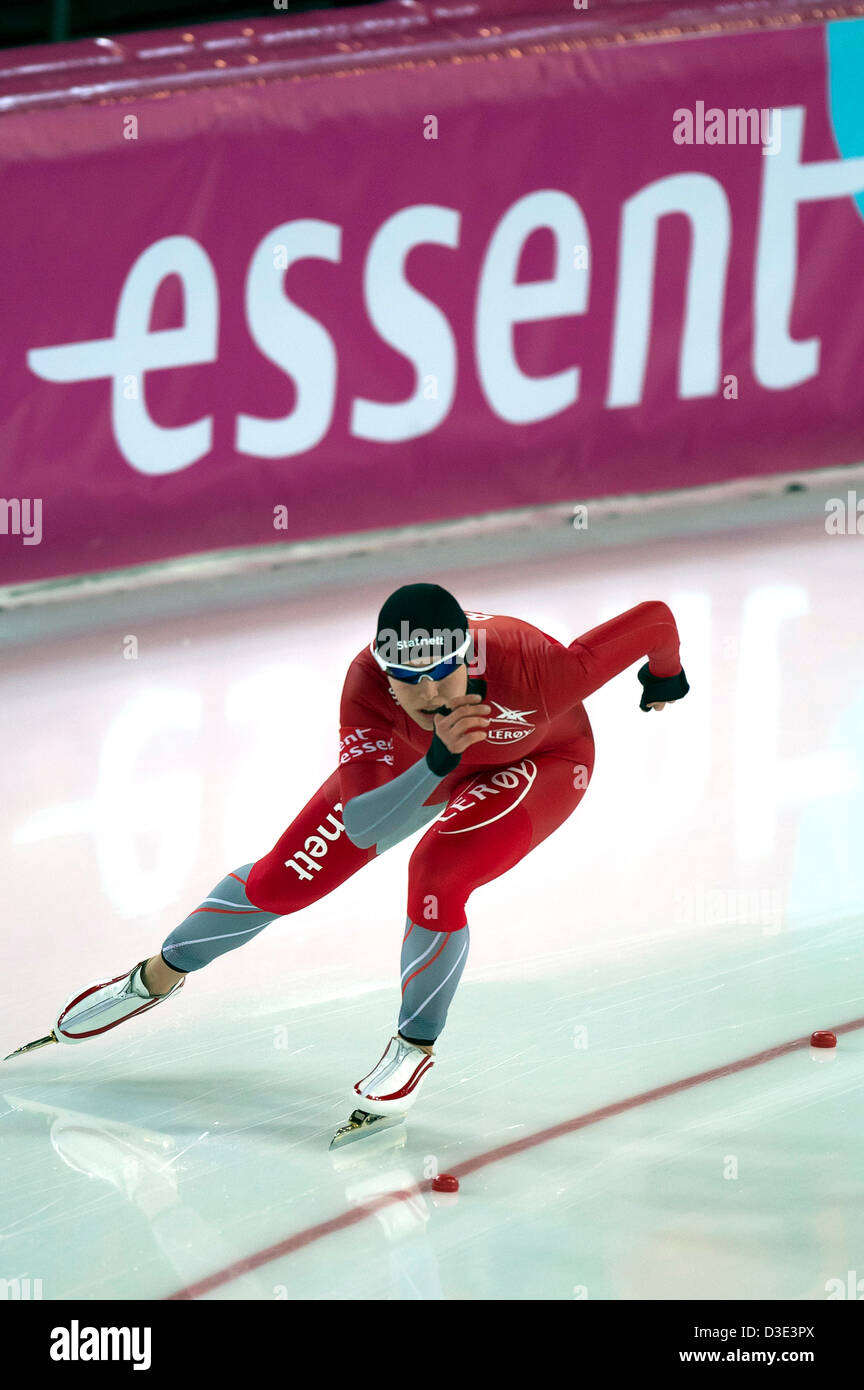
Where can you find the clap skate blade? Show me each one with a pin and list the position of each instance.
(360, 1125)
(32, 1046)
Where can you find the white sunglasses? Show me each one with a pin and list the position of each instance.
(438, 670)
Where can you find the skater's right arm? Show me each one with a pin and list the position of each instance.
(384, 812)
(391, 809)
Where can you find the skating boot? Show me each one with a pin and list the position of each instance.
(100, 1007)
(386, 1095)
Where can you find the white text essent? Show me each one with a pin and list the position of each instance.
(417, 329)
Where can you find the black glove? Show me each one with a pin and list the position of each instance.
(659, 688)
(439, 759)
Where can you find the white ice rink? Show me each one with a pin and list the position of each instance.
(703, 906)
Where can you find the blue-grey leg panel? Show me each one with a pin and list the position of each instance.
(422, 816)
(221, 923)
(432, 965)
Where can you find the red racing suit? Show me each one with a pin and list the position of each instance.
(509, 791)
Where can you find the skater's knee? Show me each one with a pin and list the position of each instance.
(269, 888)
(436, 898)
(437, 910)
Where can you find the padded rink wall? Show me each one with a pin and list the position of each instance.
(284, 280)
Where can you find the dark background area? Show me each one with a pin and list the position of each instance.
(41, 21)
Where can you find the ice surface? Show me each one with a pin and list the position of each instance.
(703, 904)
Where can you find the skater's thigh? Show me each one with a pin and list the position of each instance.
(311, 858)
(492, 820)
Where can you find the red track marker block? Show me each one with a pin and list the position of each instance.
(445, 1182)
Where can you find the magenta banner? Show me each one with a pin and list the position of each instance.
(290, 299)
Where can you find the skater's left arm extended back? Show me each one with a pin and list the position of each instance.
(570, 674)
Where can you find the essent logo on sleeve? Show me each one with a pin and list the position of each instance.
(356, 743)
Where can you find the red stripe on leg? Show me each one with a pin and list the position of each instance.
(424, 967)
(230, 911)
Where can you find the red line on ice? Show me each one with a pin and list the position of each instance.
(459, 1170)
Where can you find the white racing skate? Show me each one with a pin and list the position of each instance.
(387, 1093)
(100, 1007)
